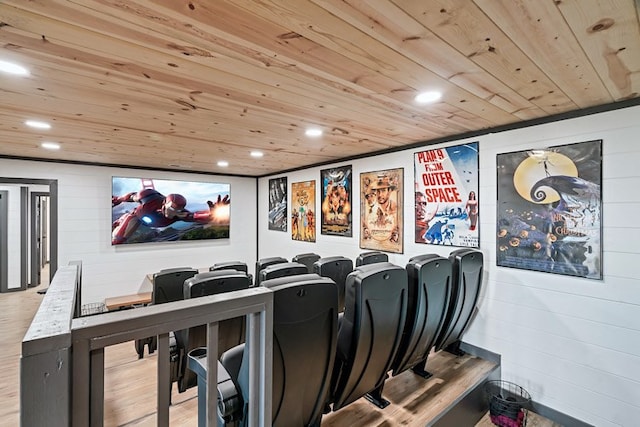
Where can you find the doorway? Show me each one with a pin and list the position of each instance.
(39, 236)
(46, 247)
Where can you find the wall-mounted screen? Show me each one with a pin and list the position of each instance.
(155, 210)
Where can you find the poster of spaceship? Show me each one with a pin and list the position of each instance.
(549, 209)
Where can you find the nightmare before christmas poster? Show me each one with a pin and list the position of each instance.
(550, 209)
(336, 201)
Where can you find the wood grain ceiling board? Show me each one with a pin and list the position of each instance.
(160, 83)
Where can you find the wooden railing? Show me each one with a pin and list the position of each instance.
(62, 365)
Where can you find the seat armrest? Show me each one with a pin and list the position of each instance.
(230, 402)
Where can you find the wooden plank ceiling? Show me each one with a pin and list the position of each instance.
(182, 84)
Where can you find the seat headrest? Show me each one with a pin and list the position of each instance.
(300, 278)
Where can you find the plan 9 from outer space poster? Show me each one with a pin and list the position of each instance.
(549, 210)
(446, 196)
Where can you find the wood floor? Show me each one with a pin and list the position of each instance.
(130, 389)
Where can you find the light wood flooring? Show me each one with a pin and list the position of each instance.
(130, 389)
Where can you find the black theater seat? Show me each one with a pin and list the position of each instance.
(167, 284)
(305, 312)
(263, 263)
(281, 270)
(232, 265)
(370, 331)
(466, 280)
(336, 268)
(371, 258)
(229, 265)
(231, 332)
(307, 259)
(429, 295)
(166, 287)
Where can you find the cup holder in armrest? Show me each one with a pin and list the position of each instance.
(229, 400)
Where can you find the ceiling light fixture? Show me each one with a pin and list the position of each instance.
(223, 163)
(428, 97)
(257, 154)
(50, 145)
(11, 68)
(313, 132)
(37, 125)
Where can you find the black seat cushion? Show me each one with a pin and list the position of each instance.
(371, 329)
(336, 268)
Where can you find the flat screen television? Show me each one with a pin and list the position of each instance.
(147, 210)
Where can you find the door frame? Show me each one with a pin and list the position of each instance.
(4, 250)
(53, 216)
(36, 231)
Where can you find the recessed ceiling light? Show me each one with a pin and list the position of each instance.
(223, 163)
(257, 154)
(313, 132)
(11, 68)
(50, 145)
(38, 125)
(428, 97)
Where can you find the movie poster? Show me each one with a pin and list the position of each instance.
(549, 210)
(381, 210)
(446, 196)
(303, 211)
(336, 201)
(278, 204)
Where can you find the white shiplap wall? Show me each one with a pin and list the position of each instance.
(573, 343)
(84, 227)
(13, 235)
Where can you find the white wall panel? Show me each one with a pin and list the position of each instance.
(573, 343)
(84, 227)
(14, 240)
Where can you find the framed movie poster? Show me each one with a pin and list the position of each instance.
(550, 210)
(303, 211)
(446, 196)
(336, 201)
(381, 210)
(278, 204)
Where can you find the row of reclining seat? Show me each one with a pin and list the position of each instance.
(175, 284)
(392, 318)
(304, 346)
(467, 268)
(166, 287)
(231, 332)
